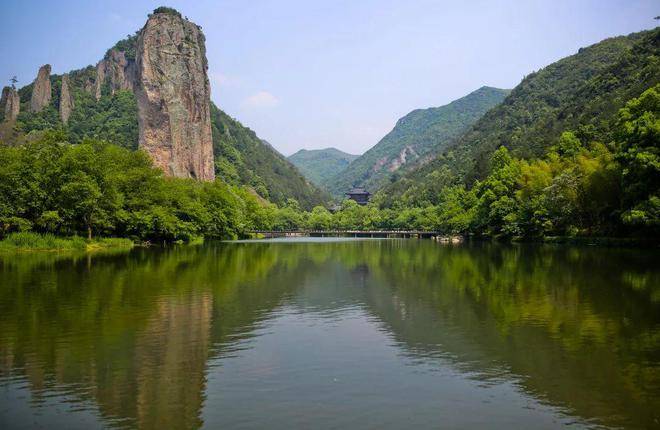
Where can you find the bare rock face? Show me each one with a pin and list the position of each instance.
(11, 103)
(173, 97)
(100, 79)
(41, 92)
(4, 97)
(117, 71)
(66, 101)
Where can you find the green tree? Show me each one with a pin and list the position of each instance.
(319, 219)
(638, 137)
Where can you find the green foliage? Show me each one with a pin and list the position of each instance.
(167, 10)
(95, 188)
(113, 117)
(242, 158)
(31, 241)
(319, 219)
(580, 187)
(582, 93)
(35, 241)
(127, 46)
(319, 165)
(638, 131)
(421, 133)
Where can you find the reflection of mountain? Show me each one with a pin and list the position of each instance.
(577, 328)
(172, 352)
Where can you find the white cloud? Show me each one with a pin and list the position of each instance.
(260, 100)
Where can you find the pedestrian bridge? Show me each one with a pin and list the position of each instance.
(357, 233)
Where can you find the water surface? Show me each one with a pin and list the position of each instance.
(331, 334)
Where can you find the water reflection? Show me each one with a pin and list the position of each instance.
(169, 337)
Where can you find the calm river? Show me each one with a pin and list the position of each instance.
(332, 334)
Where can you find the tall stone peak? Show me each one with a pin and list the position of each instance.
(11, 103)
(41, 91)
(66, 101)
(173, 96)
(4, 97)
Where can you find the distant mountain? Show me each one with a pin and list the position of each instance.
(419, 135)
(241, 157)
(582, 93)
(318, 165)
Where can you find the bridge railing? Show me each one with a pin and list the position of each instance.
(348, 231)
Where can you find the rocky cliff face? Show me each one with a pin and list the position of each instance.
(66, 101)
(117, 71)
(41, 92)
(11, 103)
(173, 96)
(3, 98)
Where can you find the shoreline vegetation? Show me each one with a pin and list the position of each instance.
(48, 242)
(31, 241)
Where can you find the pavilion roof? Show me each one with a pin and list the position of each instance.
(358, 190)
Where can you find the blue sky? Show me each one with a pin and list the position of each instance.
(314, 74)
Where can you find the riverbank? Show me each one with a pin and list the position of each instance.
(29, 241)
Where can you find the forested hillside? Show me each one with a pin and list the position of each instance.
(319, 165)
(242, 158)
(111, 114)
(581, 93)
(420, 134)
(111, 117)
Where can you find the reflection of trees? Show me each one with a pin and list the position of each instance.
(134, 331)
(565, 320)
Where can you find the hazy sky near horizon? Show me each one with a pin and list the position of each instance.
(314, 74)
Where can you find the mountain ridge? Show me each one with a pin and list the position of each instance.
(318, 165)
(581, 92)
(416, 135)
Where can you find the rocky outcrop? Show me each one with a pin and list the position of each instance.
(3, 98)
(10, 103)
(100, 79)
(173, 97)
(115, 70)
(66, 101)
(402, 158)
(41, 91)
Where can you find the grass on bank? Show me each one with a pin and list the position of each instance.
(49, 242)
